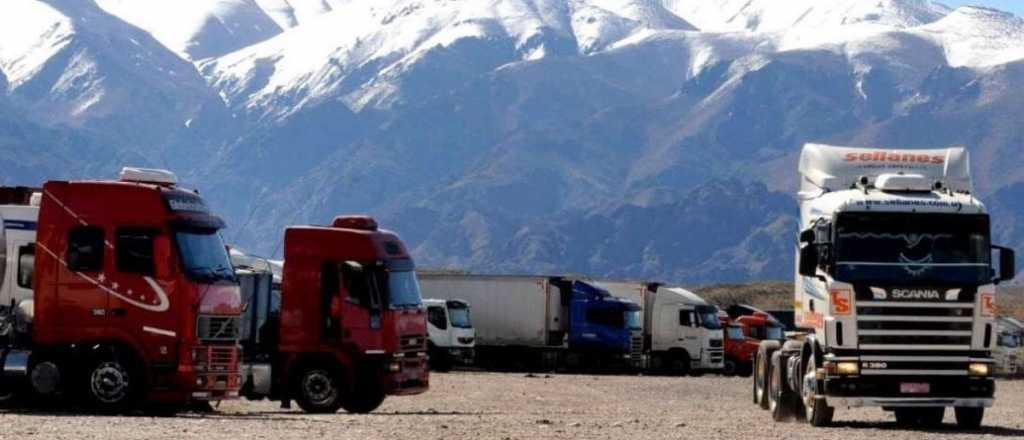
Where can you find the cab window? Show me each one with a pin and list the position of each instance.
(134, 250)
(686, 318)
(85, 249)
(436, 317)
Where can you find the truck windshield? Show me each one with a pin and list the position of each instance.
(913, 248)
(203, 255)
(459, 317)
(735, 333)
(708, 316)
(633, 320)
(773, 332)
(403, 289)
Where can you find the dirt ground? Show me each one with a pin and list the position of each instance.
(519, 406)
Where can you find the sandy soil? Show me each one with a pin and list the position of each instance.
(520, 406)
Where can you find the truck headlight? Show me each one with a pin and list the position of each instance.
(394, 367)
(978, 369)
(842, 368)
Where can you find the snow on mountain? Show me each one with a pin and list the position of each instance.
(72, 66)
(290, 13)
(197, 29)
(777, 15)
(979, 37)
(32, 32)
(359, 53)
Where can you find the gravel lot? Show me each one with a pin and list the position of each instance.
(517, 406)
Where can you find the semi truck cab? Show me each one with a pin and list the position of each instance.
(895, 290)
(451, 333)
(603, 325)
(350, 328)
(132, 295)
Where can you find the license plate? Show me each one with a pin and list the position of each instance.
(915, 388)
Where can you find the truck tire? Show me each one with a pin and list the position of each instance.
(729, 367)
(318, 390)
(678, 363)
(112, 384)
(819, 414)
(969, 418)
(762, 371)
(782, 401)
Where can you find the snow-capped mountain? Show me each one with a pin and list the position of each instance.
(776, 15)
(198, 29)
(635, 138)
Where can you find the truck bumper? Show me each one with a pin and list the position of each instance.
(862, 391)
(406, 376)
(910, 402)
(462, 355)
(712, 360)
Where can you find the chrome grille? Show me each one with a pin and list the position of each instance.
(915, 338)
(217, 328)
(413, 343)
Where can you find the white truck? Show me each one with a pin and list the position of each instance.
(682, 332)
(1009, 352)
(539, 322)
(19, 211)
(894, 293)
(451, 333)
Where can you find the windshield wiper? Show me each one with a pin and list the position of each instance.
(204, 274)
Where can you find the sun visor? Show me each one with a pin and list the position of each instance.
(836, 168)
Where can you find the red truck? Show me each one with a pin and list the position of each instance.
(740, 348)
(345, 328)
(130, 297)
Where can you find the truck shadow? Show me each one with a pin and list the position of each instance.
(247, 415)
(948, 429)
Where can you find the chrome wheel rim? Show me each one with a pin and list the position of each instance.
(319, 388)
(110, 382)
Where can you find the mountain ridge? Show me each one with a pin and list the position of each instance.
(611, 137)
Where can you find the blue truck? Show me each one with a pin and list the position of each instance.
(542, 322)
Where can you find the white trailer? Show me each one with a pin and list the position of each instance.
(537, 321)
(682, 332)
(894, 294)
(451, 333)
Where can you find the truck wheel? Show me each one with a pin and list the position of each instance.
(679, 364)
(112, 384)
(729, 368)
(781, 400)
(762, 371)
(969, 418)
(818, 412)
(363, 401)
(317, 390)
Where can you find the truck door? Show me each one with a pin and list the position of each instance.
(688, 337)
(361, 304)
(141, 289)
(81, 302)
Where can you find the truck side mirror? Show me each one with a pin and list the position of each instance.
(1007, 264)
(809, 260)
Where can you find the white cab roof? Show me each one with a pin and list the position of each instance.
(834, 168)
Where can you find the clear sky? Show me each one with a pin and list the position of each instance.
(1015, 6)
